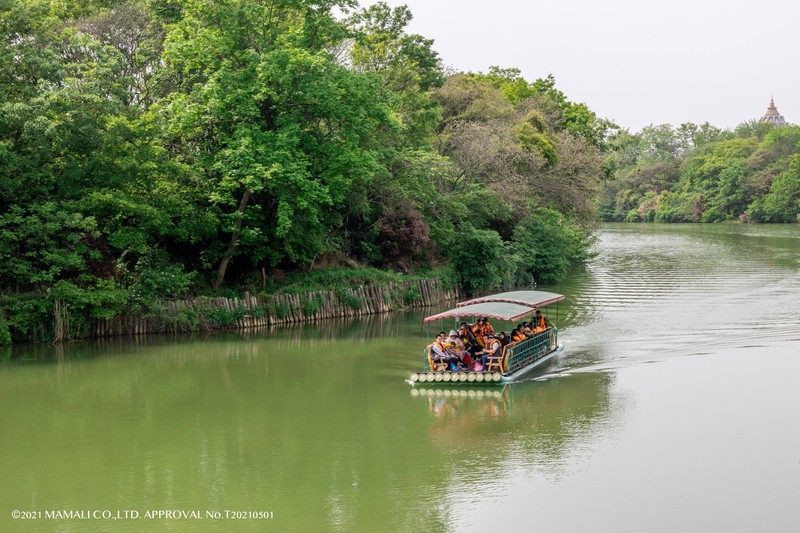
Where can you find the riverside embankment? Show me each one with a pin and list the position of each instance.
(250, 311)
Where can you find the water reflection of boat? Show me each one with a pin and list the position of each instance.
(517, 358)
(452, 403)
(438, 392)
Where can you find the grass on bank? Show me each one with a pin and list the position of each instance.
(339, 278)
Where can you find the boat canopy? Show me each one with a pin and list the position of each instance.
(502, 310)
(529, 298)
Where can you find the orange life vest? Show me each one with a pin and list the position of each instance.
(441, 347)
(493, 345)
(477, 330)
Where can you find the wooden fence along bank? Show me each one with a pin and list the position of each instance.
(206, 314)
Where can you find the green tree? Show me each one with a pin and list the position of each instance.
(693, 136)
(407, 65)
(753, 128)
(277, 132)
(81, 163)
(732, 199)
(679, 207)
(575, 118)
(514, 151)
(547, 244)
(702, 173)
(784, 141)
(482, 261)
(782, 204)
(510, 82)
(659, 143)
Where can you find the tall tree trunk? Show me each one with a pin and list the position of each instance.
(223, 264)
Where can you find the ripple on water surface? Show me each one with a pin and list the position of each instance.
(675, 292)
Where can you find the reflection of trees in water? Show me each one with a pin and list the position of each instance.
(78, 350)
(398, 324)
(229, 344)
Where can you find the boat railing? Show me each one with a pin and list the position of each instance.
(523, 353)
(518, 354)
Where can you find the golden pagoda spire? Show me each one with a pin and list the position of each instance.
(772, 115)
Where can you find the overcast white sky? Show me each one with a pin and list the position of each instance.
(636, 62)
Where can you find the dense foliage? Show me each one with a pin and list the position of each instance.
(154, 148)
(704, 174)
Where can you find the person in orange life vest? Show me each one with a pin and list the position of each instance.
(481, 329)
(439, 351)
(477, 330)
(468, 338)
(517, 335)
(539, 322)
(494, 349)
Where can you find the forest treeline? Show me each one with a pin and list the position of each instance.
(157, 148)
(700, 173)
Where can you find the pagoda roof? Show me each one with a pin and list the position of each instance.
(772, 115)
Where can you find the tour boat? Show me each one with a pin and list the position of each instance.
(518, 358)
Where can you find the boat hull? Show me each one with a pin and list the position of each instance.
(469, 378)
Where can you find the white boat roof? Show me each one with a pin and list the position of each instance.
(508, 311)
(530, 298)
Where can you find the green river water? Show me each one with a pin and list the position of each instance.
(674, 407)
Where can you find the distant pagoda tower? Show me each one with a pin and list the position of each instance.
(772, 116)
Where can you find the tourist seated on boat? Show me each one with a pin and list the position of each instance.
(517, 335)
(505, 340)
(454, 344)
(438, 351)
(468, 338)
(493, 350)
(477, 331)
(486, 327)
(453, 361)
(539, 321)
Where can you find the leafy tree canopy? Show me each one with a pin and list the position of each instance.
(716, 175)
(164, 147)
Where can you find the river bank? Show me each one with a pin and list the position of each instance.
(60, 322)
(249, 311)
